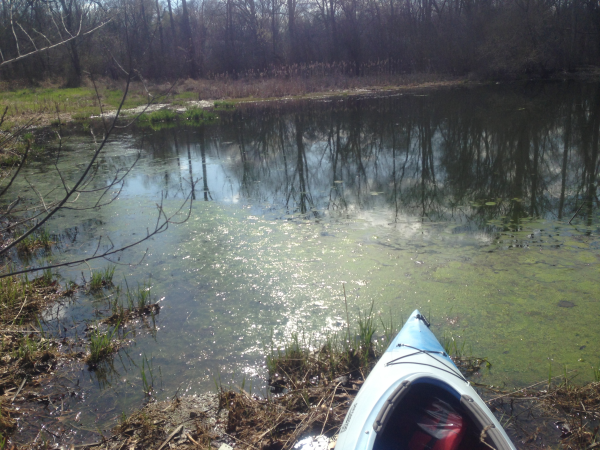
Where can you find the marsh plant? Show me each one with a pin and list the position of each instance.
(102, 278)
(351, 351)
(132, 302)
(41, 239)
(198, 115)
(102, 343)
(147, 375)
(462, 355)
(138, 298)
(19, 295)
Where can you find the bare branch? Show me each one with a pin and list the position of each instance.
(26, 34)
(79, 182)
(49, 47)
(161, 227)
(17, 171)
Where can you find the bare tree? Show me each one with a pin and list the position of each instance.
(32, 28)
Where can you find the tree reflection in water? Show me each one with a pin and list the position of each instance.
(464, 155)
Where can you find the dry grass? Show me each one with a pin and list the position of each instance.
(564, 415)
(270, 87)
(21, 299)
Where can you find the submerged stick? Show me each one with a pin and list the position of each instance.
(19, 390)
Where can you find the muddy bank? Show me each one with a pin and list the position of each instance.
(560, 416)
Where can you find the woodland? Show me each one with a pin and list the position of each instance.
(179, 39)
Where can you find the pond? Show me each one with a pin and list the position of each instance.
(476, 205)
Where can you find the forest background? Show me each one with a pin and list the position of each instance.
(178, 39)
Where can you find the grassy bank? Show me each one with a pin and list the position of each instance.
(25, 353)
(46, 104)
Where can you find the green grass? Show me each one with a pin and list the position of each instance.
(353, 351)
(139, 297)
(79, 101)
(162, 115)
(102, 344)
(9, 159)
(157, 120)
(463, 355)
(34, 241)
(14, 290)
(596, 373)
(27, 348)
(147, 375)
(165, 118)
(198, 115)
(102, 278)
(188, 95)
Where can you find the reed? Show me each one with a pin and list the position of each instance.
(39, 240)
(102, 344)
(147, 375)
(102, 278)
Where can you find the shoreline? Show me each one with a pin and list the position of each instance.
(189, 94)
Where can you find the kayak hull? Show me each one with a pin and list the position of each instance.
(414, 359)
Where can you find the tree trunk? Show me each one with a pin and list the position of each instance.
(189, 42)
(74, 76)
(291, 5)
(160, 35)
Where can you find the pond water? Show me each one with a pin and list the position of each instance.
(478, 206)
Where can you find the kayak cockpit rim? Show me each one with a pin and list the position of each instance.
(489, 434)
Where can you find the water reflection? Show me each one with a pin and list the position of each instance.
(464, 156)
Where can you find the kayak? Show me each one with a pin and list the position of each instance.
(416, 398)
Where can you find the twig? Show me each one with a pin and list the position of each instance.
(177, 430)
(19, 313)
(89, 444)
(21, 56)
(330, 403)
(21, 387)
(239, 440)
(192, 439)
(483, 435)
(525, 388)
(576, 212)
